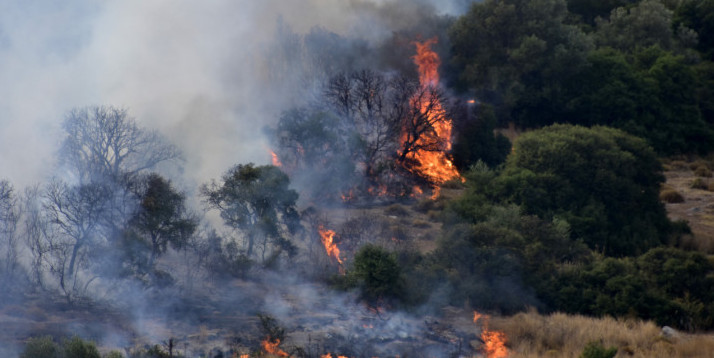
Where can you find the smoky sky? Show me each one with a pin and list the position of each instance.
(190, 69)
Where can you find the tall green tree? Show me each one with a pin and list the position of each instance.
(160, 220)
(257, 201)
(520, 56)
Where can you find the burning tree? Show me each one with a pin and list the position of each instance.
(391, 128)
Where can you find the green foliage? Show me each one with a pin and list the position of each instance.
(378, 274)
(75, 347)
(114, 354)
(603, 182)
(476, 141)
(258, 201)
(41, 347)
(698, 15)
(644, 25)
(520, 56)
(45, 347)
(597, 350)
(161, 220)
(589, 10)
(670, 286)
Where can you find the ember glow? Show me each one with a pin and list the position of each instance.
(272, 348)
(275, 160)
(494, 342)
(327, 237)
(434, 166)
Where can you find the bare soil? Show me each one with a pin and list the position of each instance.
(697, 209)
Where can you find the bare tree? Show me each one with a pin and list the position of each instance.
(103, 142)
(75, 213)
(9, 238)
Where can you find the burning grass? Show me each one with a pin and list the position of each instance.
(561, 335)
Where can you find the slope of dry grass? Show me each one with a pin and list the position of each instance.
(564, 336)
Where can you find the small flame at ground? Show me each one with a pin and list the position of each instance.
(494, 342)
(327, 237)
(272, 348)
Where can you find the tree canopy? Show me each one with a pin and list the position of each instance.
(602, 181)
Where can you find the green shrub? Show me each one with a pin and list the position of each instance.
(76, 347)
(597, 350)
(699, 183)
(671, 196)
(41, 347)
(114, 354)
(378, 273)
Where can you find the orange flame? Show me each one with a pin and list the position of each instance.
(272, 348)
(275, 160)
(328, 355)
(494, 342)
(327, 237)
(434, 166)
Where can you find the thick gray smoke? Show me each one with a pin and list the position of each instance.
(193, 70)
(209, 76)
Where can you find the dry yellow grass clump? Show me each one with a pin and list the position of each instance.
(561, 335)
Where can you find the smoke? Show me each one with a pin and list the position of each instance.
(203, 74)
(192, 70)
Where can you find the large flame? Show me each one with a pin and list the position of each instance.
(327, 237)
(272, 348)
(434, 166)
(494, 342)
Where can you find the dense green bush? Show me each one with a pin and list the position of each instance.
(596, 350)
(45, 347)
(41, 347)
(602, 181)
(671, 286)
(378, 274)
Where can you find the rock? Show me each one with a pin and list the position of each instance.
(669, 332)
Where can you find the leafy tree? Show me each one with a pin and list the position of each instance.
(698, 15)
(161, 218)
(603, 182)
(78, 348)
(589, 10)
(519, 56)
(41, 347)
(475, 140)
(103, 142)
(647, 24)
(258, 202)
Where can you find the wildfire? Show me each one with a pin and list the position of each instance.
(327, 237)
(328, 355)
(275, 160)
(494, 342)
(272, 348)
(435, 166)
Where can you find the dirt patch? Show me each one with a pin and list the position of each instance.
(697, 209)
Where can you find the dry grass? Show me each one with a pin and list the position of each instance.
(703, 171)
(560, 336)
(699, 183)
(670, 196)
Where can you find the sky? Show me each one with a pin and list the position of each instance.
(190, 69)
